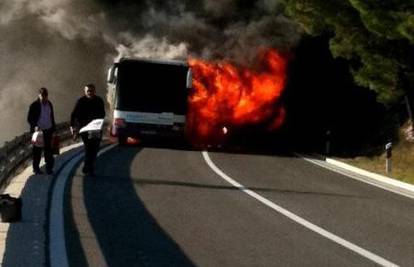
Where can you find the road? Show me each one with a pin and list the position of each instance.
(166, 207)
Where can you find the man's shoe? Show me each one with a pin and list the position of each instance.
(88, 172)
(85, 170)
(38, 172)
(49, 172)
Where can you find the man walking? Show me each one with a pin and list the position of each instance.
(41, 118)
(87, 108)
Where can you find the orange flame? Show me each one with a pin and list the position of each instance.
(226, 95)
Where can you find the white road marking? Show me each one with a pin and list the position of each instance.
(363, 252)
(57, 243)
(364, 176)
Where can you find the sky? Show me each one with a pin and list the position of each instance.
(64, 44)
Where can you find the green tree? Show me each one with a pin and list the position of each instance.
(376, 36)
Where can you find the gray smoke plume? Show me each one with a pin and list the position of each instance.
(64, 44)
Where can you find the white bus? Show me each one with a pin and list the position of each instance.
(148, 98)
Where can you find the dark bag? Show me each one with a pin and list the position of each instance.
(55, 144)
(10, 208)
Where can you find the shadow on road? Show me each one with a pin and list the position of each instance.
(144, 182)
(127, 233)
(259, 145)
(25, 239)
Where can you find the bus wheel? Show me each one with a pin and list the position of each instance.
(123, 140)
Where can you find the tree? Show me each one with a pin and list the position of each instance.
(375, 36)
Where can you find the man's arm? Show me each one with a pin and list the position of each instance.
(31, 118)
(101, 108)
(52, 116)
(74, 119)
(74, 116)
(30, 115)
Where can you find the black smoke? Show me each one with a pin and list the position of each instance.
(64, 44)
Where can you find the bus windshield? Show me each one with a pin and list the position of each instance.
(146, 86)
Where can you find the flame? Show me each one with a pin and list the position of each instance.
(226, 94)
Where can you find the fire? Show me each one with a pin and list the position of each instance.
(234, 97)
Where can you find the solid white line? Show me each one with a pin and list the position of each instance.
(364, 176)
(57, 243)
(363, 252)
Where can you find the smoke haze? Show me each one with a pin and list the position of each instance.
(64, 44)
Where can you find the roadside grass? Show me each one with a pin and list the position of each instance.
(402, 162)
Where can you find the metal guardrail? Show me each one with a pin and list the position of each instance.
(16, 153)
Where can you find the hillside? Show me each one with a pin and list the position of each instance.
(402, 160)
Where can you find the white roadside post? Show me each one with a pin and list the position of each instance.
(388, 154)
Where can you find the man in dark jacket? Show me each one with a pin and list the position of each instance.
(87, 108)
(41, 118)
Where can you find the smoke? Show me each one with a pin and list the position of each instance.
(211, 29)
(64, 44)
(148, 46)
(51, 44)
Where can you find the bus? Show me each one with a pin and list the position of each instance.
(148, 98)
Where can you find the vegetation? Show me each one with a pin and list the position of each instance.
(375, 36)
(402, 162)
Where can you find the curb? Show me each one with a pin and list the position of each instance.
(394, 184)
(381, 181)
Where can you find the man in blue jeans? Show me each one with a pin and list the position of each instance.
(41, 118)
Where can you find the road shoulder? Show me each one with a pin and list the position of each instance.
(381, 181)
(24, 243)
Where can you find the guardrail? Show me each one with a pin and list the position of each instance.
(16, 154)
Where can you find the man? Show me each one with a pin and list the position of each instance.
(87, 108)
(41, 118)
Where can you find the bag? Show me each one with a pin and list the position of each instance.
(55, 144)
(10, 208)
(37, 139)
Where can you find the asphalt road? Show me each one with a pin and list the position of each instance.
(165, 207)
